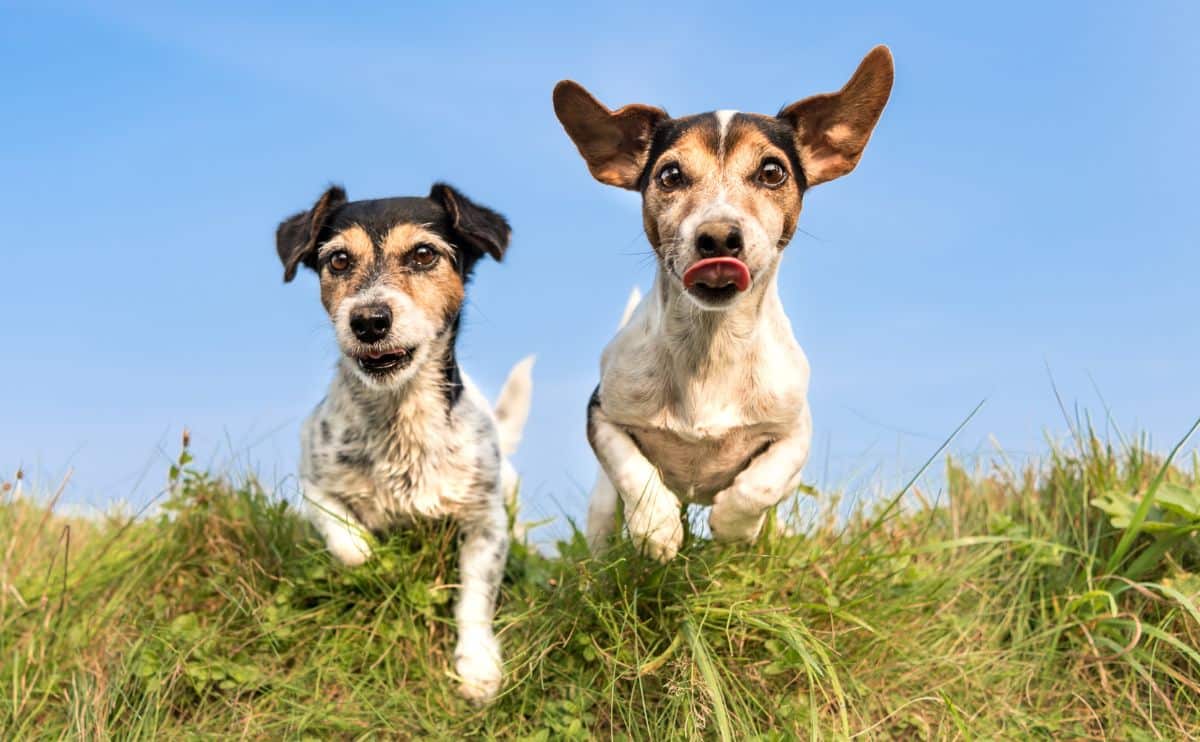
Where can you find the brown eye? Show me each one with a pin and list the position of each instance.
(339, 261)
(423, 256)
(772, 174)
(670, 177)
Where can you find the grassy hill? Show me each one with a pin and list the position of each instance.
(1058, 601)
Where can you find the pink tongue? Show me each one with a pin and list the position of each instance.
(717, 273)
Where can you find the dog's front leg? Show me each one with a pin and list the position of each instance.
(345, 538)
(738, 511)
(602, 513)
(482, 557)
(651, 510)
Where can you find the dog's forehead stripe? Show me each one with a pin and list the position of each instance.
(723, 119)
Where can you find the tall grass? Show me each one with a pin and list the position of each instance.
(1060, 600)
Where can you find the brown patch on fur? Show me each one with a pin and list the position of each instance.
(437, 291)
(746, 149)
(710, 165)
(336, 287)
(695, 152)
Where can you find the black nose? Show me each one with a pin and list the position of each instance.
(718, 240)
(371, 323)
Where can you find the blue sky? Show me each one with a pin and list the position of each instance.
(1028, 201)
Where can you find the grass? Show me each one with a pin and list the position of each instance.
(1058, 601)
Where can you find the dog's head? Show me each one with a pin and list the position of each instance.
(393, 271)
(721, 192)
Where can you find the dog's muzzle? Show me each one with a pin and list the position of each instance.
(383, 362)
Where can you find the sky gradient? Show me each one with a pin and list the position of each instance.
(1026, 208)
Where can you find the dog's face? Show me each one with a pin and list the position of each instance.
(721, 192)
(393, 272)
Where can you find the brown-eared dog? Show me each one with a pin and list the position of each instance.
(703, 393)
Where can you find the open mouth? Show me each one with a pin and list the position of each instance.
(717, 280)
(380, 363)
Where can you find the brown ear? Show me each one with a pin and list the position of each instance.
(478, 227)
(296, 237)
(832, 129)
(614, 144)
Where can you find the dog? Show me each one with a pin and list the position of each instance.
(703, 393)
(403, 433)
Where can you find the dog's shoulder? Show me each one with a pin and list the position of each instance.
(780, 365)
(632, 374)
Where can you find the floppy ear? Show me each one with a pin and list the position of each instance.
(477, 227)
(614, 144)
(296, 238)
(832, 129)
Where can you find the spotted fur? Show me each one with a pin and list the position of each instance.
(416, 439)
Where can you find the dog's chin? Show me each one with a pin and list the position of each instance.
(383, 369)
(713, 299)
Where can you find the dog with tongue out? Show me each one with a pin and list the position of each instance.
(717, 274)
(703, 392)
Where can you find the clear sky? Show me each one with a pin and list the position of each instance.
(1028, 202)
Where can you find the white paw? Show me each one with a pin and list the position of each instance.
(348, 545)
(730, 524)
(658, 539)
(477, 662)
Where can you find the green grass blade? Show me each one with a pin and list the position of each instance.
(1139, 515)
(712, 681)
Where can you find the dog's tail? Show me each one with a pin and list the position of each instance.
(512, 406)
(635, 298)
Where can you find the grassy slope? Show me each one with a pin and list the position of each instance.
(992, 615)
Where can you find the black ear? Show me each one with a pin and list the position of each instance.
(296, 238)
(477, 227)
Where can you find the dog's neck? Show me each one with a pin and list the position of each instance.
(698, 339)
(419, 405)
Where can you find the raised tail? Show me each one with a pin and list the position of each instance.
(512, 406)
(635, 298)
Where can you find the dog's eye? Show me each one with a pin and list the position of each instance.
(670, 177)
(423, 256)
(772, 173)
(339, 261)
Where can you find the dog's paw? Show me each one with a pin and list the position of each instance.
(658, 539)
(348, 546)
(477, 662)
(728, 523)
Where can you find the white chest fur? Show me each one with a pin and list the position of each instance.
(703, 392)
(394, 460)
